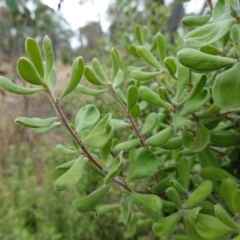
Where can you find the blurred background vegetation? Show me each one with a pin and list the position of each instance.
(30, 208)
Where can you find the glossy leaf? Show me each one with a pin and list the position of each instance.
(49, 55)
(143, 164)
(34, 53)
(208, 34)
(35, 122)
(72, 176)
(225, 89)
(75, 77)
(202, 62)
(86, 117)
(89, 202)
(28, 72)
(13, 88)
(149, 204)
(158, 139)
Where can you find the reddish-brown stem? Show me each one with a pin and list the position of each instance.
(65, 123)
(128, 115)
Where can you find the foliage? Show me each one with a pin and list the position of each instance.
(171, 154)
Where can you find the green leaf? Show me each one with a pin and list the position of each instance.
(225, 89)
(211, 50)
(100, 134)
(115, 62)
(221, 10)
(161, 46)
(89, 91)
(86, 117)
(211, 111)
(149, 204)
(132, 97)
(202, 138)
(191, 230)
(106, 208)
(224, 217)
(72, 176)
(214, 173)
(170, 65)
(49, 55)
(194, 104)
(106, 149)
(228, 187)
(180, 122)
(35, 122)
(173, 143)
(162, 185)
(99, 71)
(13, 88)
(202, 62)
(187, 138)
(143, 164)
(52, 79)
(116, 168)
(209, 33)
(133, 50)
(183, 77)
(160, 138)
(47, 129)
(63, 150)
(94, 169)
(144, 76)
(207, 158)
(75, 77)
(91, 77)
(138, 33)
(127, 146)
(150, 122)
(127, 205)
(145, 54)
(183, 173)
(165, 225)
(201, 193)
(28, 72)
(174, 197)
(152, 98)
(197, 87)
(118, 79)
(236, 199)
(65, 166)
(210, 227)
(89, 202)
(135, 112)
(225, 138)
(34, 53)
(119, 124)
(131, 227)
(194, 21)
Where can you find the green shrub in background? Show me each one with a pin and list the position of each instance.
(174, 151)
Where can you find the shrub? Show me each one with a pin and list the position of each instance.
(179, 136)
